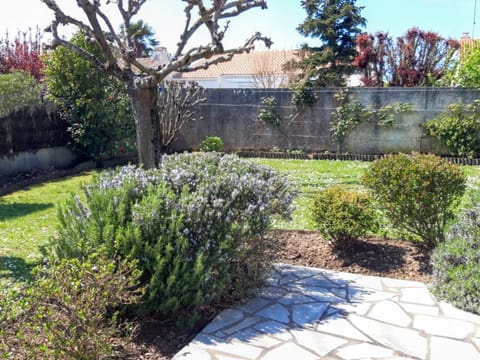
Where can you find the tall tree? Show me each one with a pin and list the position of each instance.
(336, 23)
(141, 81)
(418, 58)
(22, 54)
(143, 37)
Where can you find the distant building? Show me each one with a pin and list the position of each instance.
(256, 69)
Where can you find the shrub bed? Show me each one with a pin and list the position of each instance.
(417, 193)
(195, 226)
(456, 263)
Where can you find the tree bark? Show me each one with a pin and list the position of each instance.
(142, 93)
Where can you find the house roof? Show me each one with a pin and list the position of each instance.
(254, 62)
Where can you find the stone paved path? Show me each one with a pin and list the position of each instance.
(307, 314)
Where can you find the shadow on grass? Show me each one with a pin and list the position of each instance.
(14, 210)
(15, 268)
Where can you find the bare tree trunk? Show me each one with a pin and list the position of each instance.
(142, 93)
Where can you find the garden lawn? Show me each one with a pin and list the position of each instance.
(27, 219)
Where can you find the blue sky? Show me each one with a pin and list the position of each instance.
(450, 18)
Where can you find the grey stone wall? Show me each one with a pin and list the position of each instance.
(232, 114)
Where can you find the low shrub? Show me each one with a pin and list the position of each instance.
(18, 90)
(343, 215)
(456, 263)
(70, 311)
(417, 194)
(195, 226)
(458, 128)
(212, 143)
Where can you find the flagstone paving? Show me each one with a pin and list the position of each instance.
(308, 314)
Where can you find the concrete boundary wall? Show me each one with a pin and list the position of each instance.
(232, 114)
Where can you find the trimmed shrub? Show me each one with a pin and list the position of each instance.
(70, 311)
(343, 215)
(417, 194)
(212, 143)
(195, 226)
(456, 263)
(458, 129)
(18, 90)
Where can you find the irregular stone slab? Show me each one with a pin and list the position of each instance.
(340, 292)
(308, 313)
(319, 343)
(253, 305)
(319, 294)
(287, 279)
(231, 348)
(399, 283)
(248, 322)
(363, 351)
(317, 281)
(341, 327)
(353, 308)
(416, 296)
(457, 329)
(275, 329)
(224, 319)
(275, 312)
(289, 351)
(272, 293)
(295, 298)
(390, 312)
(255, 338)
(407, 341)
(448, 349)
(452, 312)
(369, 282)
(366, 295)
(420, 309)
(340, 278)
(191, 353)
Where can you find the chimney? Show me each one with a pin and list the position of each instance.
(160, 55)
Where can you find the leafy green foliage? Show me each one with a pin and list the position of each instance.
(94, 104)
(303, 95)
(343, 215)
(269, 113)
(336, 23)
(468, 72)
(212, 143)
(69, 311)
(458, 128)
(143, 37)
(195, 226)
(417, 193)
(18, 90)
(456, 263)
(352, 113)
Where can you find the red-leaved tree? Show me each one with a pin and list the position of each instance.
(22, 54)
(418, 58)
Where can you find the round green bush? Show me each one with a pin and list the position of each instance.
(456, 263)
(343, 215)
(195, 227)
(417, 193)
(212, 143)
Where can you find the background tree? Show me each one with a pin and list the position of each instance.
(336, 23)
(92, 102)
(142, 82)
(418, 58)
(143, 38)
(468, 71)
(176, 106)
(22, 54)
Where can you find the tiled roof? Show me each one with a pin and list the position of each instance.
(255, 62)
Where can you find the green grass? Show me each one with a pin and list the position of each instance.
(27, 219)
